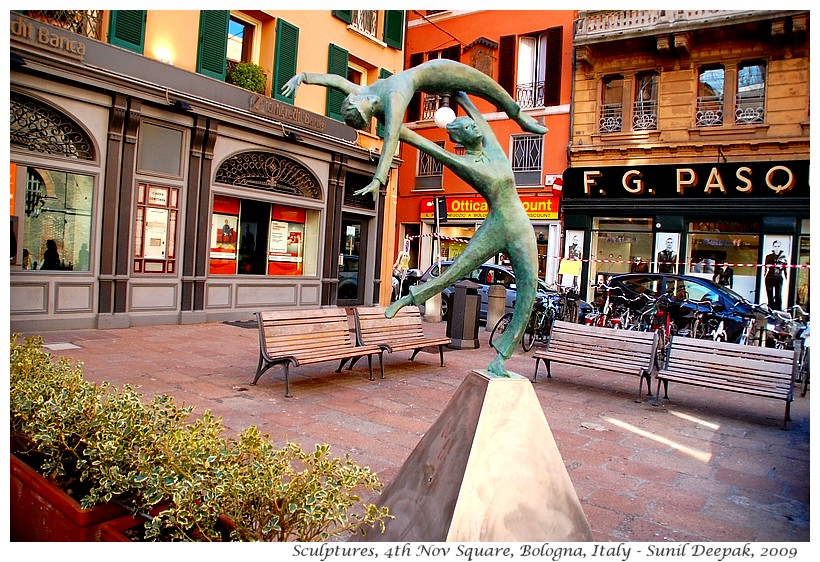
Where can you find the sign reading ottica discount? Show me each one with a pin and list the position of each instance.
(538, 208)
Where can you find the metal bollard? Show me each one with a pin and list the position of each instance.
(496, 305)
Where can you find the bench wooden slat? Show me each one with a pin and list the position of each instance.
(744, 369)
(608, 349)
(403, 332)
(308, 336)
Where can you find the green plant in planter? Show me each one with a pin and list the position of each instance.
(249, 76)
(107, 444)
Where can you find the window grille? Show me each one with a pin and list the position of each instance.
(365, 21)
(611, 119)
(709, 111)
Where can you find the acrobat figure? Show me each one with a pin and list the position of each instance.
(387, 100)
(507, 228)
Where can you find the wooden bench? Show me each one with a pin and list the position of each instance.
(747, 369)
(608, 349)
(402, 332)
(302, 337)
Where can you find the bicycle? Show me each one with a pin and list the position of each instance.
(539, 325)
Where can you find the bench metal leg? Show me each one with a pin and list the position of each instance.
(352, 362)
(547, 363)
(261, 367)
(415, 352)
(644, 376)
(287, 380)
(342, 364)
(787, 416)
(657, 400)
(370, 365)
(441, 354)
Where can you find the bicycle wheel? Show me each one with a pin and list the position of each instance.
(529, 333)
(500, 326)
(804, 369)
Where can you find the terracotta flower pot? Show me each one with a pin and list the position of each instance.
(41, 512)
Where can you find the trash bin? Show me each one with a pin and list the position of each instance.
(462, 325)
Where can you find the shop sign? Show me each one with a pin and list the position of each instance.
(538, 208)
(36, 33)
(287, 113)
(728, 179)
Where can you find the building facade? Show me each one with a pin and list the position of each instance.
(529, 53)
(158, 175)
(690, 147)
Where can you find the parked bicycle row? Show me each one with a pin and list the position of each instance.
(682, 308)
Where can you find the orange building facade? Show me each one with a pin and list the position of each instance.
(530, 54)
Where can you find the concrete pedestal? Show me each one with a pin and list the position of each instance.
(487, 470)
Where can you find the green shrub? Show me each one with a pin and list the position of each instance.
(107, 444)
(249, 76)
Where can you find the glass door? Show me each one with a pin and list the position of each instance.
(349, 291)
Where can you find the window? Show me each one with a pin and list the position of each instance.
(432, 101)
(539, 69)
(241, 37)
(618, 245)
(709, 111)
(365, 22)
(57, 224)
(527, 159)
(429, 173)
(156, 229)
(612, 105)
(714, 243)
(751, 94)
(250, 237)
(645, 113)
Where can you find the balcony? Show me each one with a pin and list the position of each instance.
(749, 110)
(709, 112)
(645, 116)
(87, 23)
(365, 22)
(530, 95)
(611, 120)
(594, 26)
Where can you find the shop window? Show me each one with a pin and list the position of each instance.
(619, 245)
(56, 225)
(155, 229)
(709, 112)
(714, 246)
(250, 237)
(645, 112)
(430, 170)
(527, 159)
(750, 99)
(612, 105)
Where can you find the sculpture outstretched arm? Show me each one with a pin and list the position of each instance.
(330, 80)
(414, 139)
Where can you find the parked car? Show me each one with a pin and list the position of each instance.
(731, 307)
(485, 275)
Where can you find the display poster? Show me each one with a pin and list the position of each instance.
(570, 268)
(774, 288)
(667, 249)
(223, 236)
(156, 233)
(285, 248)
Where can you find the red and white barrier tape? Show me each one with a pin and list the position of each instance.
(795, 266)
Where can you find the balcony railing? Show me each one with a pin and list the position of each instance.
(530, 95)
(749, 110)
(87, 23)
(611, 120)
(595, 24)
(645, 116)
(365, 21)
(709, 112)
(431, 104)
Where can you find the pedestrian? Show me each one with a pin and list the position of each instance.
(51, 257)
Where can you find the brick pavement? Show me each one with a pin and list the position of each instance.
(703, 466)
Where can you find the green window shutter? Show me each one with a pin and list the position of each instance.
(336, 64)
(394, 28)
(212, 58)
(383, 73)
(344, 15)
(128, 29)
(287, 47)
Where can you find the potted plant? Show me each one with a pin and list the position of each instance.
(158, 474)
(249, 76)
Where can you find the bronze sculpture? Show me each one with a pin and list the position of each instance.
(484, 166)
